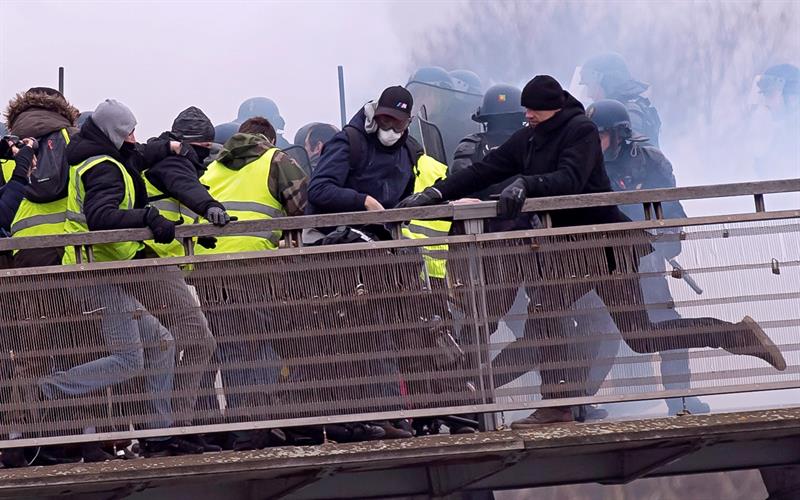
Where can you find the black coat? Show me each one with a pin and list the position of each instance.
(179, 177)
(561, 156)
(104, 185)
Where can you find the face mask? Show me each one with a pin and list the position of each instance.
(389, 137)
(202, 152)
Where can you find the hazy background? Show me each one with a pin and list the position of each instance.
(160, 57)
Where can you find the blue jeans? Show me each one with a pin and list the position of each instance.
(138, 344)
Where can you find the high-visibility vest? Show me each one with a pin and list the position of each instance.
(426, 172)
(7, 169)
(245, 195)
(40, 219)
(76, 217)
(172, 210)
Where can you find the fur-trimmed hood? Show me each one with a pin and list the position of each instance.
(32, 114)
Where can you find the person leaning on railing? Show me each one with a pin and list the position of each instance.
(174, 188)
(559, 153)
(371, 165)
(105, 191)
(253, 180)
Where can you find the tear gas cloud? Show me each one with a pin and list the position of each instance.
(701, 60)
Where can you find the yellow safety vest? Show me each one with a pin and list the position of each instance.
(40, 219)
(245, 195)
(76, 217)
(172, 210)
(8, 169)
(426, 172)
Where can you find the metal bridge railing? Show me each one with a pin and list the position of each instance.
(322, 334)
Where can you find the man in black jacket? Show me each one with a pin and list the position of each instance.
(174, 187)
(107, 192)
(559, 153)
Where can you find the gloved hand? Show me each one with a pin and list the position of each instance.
(207, 241)
(23, 159)
(217, 216)
(163, 229)
(512, 198)
(429, 196)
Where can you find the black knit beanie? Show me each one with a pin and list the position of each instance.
(543, 93)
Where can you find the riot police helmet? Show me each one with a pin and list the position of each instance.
(611, 116)
(466, 81)
(499, 99)
(261, 106)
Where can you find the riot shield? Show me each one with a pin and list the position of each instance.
(579, 88)
(299, 154)
(430, 137)
(449, 109)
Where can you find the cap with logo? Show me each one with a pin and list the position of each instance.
(395, 102)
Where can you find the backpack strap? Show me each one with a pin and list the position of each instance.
(356, 141)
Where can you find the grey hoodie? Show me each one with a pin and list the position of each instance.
(115, 120)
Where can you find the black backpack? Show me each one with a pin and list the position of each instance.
(48, 181)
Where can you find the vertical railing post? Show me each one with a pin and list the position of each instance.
(480, 321)
(760, 206)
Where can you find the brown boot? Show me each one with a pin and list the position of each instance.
(544, 416)
(754, 342)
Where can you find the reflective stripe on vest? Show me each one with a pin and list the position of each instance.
(427, 172)
(40, 219)
(76, 219)
(245, 195)
(171, 209)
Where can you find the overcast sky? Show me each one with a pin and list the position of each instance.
(161, 56)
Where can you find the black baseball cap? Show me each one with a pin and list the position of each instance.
(395, 102)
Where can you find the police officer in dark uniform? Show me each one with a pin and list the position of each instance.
(632, 163)
(606, 76)
(501, 115)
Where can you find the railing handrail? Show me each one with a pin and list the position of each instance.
(482, 210)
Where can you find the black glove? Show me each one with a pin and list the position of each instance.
(163, 229)
(429, 196)
(207, 241)
(217, 216)
(23, 160)
(512, 198)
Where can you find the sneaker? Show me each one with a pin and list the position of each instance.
(756, 343)
(544, 416)
(366, 432)
(94, 452)
(169, 447)
(392, 431)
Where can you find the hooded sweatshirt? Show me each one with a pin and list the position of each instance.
(104, 184)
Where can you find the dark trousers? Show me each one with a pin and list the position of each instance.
(557, 272)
